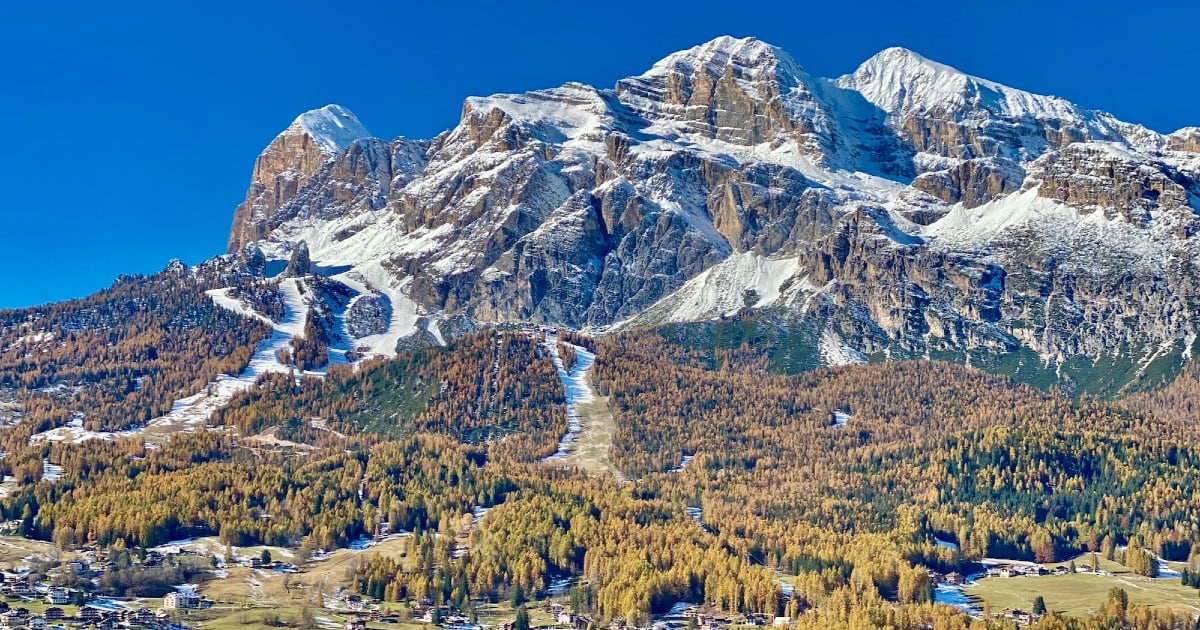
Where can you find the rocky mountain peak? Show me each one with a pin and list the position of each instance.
(289, 162)
(747, 57)
(739, 91)
(1186, 140)
(900, 82)
(332, 128)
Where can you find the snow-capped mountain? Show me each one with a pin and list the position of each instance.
(904, 210)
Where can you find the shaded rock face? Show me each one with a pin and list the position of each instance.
(929, 213)
(972, 182)
(914, 300)
(300, 262)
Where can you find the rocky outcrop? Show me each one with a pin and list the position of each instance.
(300, 263)
(972, 182)
(1187, 140)
(368, 315)
(1109, 178)
(288, 164)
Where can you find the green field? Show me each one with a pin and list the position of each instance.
(1083, 593)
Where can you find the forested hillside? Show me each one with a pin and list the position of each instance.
(840, 479)
(120, 357)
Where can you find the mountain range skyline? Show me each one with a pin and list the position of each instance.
(155, 128)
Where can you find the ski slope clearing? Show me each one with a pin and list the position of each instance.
(590, 430)
(192, 413)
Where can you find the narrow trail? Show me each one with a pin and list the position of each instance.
(590, 432)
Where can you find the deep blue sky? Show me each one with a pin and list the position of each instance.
(130, 130)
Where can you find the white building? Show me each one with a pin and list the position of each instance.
(182, 599)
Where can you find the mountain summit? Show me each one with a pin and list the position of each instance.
(905, 210)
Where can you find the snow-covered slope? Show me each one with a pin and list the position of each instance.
(900, 81)
(332, 127)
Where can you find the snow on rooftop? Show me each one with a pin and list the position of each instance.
(332, 127)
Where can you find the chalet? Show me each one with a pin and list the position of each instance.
(142, 617)
(181, 600)
(566, 618)
(58, 596)
(80, 567)
(37, 622)
(357, 623)
(54, 613)
(87, 614)
(13, 619)
(955, 578)
(17, 587)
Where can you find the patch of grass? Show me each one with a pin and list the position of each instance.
(14, 549)
(1082, 593)
(259, 586)
(590, 451)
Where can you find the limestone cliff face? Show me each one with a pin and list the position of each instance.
(1106, 178)
(906, 209)
(288, 164)
(742, 92)
(972, 182)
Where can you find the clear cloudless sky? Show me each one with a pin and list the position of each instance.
(130, 128)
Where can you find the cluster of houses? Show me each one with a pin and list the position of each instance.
(705, 621)
(1016, 570)
(1033, 570)
(677, 619)
(1022, 617)
(953, 578)
(103, 619)
(564, 617)
(21, 586)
